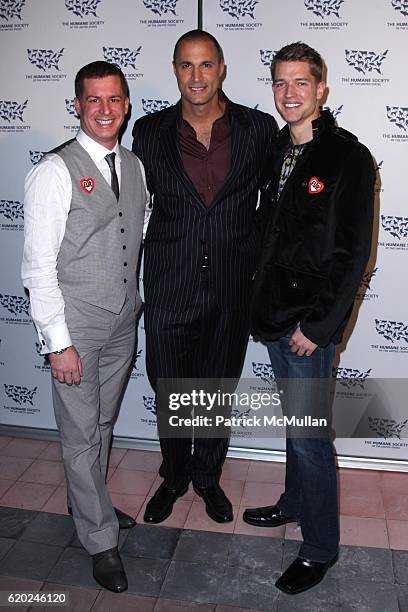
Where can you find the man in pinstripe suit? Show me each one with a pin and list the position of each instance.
(203, 159)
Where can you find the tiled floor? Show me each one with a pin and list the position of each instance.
(190, 562)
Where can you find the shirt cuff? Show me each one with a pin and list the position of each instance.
(54, 338)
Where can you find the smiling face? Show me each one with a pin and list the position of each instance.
(297, 95)
(102, 108)
(198, 69)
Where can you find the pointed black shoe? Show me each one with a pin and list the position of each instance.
(267, 516)
(125, 521)
(302, 575)
(160, 506)
(217, 504)
(108, 570)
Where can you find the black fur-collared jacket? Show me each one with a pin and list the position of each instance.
(318, 237)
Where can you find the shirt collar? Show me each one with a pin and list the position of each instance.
(95, 150)
(225, 118)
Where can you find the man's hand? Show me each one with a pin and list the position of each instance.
(67, 367)
(301, 345)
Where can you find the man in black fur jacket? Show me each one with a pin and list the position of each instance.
(315, 249)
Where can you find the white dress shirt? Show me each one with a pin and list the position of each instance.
(47, 201)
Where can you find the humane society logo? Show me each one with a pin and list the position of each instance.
(365, 62)
(136, 370)
(266, 57)
(17, 306)
(13, 212)
(23, 397)
(364, 293)
(401, 6)
(350, 377)
(46, 60)
(153, 106)
(123, 58)
(396, 227)
(334, 111)
(12, 114)
(36, 156)
(159, 9)
(10, 11)
(149, 405)
(397, 116)
(327, 13)
(264, 373)
(70, 108)
(83, 9)
(243, 12)
(44, 364)
(387, 428)
(396, 332)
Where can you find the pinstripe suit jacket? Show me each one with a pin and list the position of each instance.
(181, 226)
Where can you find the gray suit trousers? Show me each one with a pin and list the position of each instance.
(85, 415)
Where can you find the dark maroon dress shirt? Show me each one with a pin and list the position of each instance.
(206, 169)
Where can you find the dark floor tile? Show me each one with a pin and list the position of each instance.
(56, 529)
(74, 568)
(367, 596)
(17, 585)
(203, 547)
(222, 608)
(151, 542)
(125, 602)
(173, 605)
(30, 560)
(80, 599)
(255, 552)
(13, 521)
(400, 565)
(290, 552)
(361, 562)
(193, 582)
(249, 588)
(324, 597)
(403, 598)
(5, 545)
(145, 576)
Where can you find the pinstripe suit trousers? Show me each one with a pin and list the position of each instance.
(201, 342)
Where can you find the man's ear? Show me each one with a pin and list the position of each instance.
(321, 88)
(77, 105)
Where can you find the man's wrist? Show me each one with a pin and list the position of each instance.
(60, 351)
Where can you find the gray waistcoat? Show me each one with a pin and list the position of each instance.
(98, 256)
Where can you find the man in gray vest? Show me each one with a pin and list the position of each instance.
(84, 210)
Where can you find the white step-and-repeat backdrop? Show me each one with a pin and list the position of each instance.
(364, 42)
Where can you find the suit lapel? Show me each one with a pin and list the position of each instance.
(169, 143)
(240, 139)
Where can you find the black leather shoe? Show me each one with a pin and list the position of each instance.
(302, 575)
(108, 570)
(125, 521)
(217, 504)
(268, 516)
(160, 506)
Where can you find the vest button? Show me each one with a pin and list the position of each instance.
(125, 280)
(294, 284)
(125, 263)
(122, 231)
(120, 214)
(124, 247)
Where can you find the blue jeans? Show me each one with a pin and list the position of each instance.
(310, 485)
